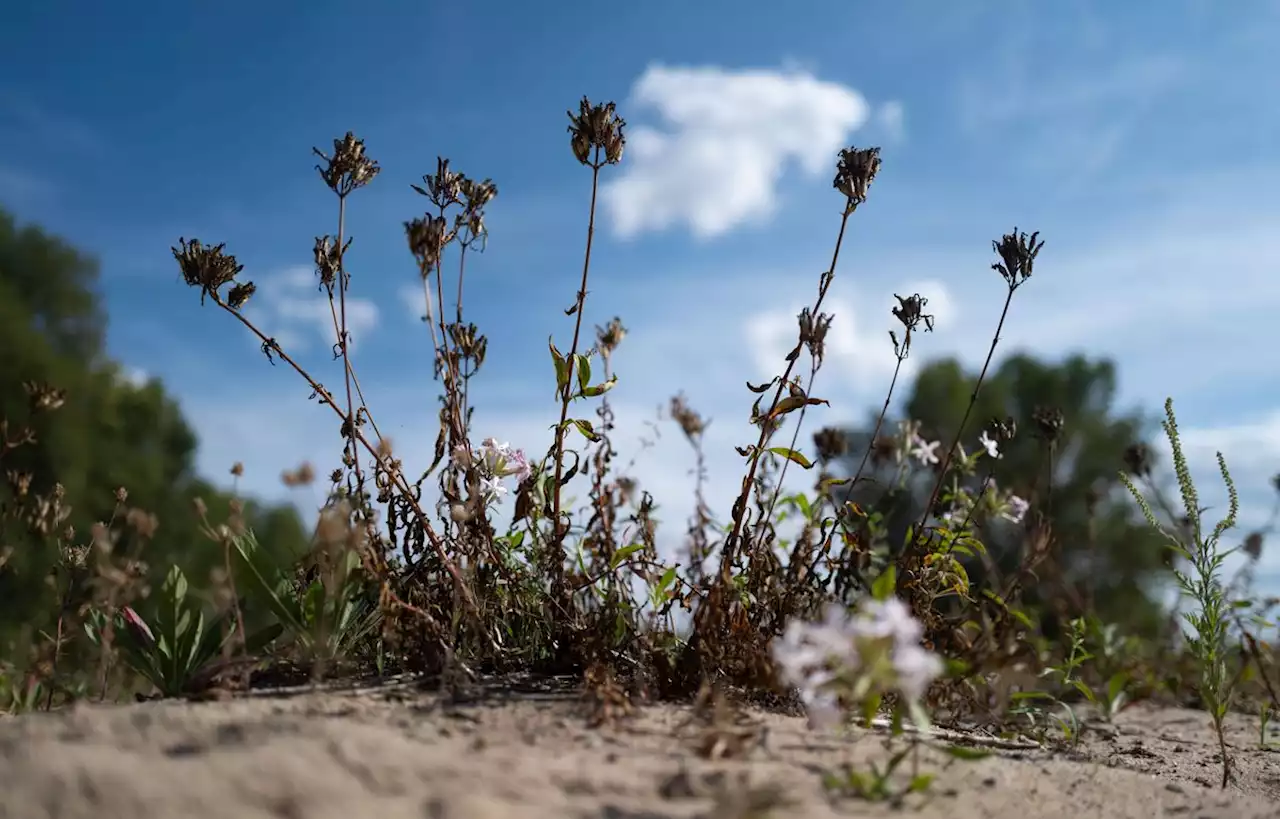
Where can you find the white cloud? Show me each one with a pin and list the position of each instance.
(290, 307)
(892, 120)
(728, 138)
(415, 303)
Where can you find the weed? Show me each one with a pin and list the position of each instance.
(1211, 622)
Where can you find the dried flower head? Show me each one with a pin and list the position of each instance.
(303, 475)
(855, 171)
(831, 443)
(910, 311)
(43, 398)
(328, 259)
(690, 421)
(475, 196)
(813, 332)
(205, 267)
(468, 341)
(239, 295)
(1049, 422)
(427, 239)
(1253, 546)
(443, 187)
(599, 127)
(610, 336)
(349, 168)
(883, 449)
(1017, 256)
(1003, 430)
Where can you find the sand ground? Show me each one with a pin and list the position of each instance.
(515, 750)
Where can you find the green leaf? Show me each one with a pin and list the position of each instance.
(622, 554)
(586, 429)
(584, 371)
(886, 584)
(260, 577)
(1115, 690)
(966, 754)
(562, 367)
(793, 403)
(1017, 696)
(600, 389)
(792, 455)
(920, 783)
(1083, 688)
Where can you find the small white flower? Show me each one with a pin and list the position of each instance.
(908, 434)
(1015, 509)
(493, 488)
(916, 668)
(891, 618)
(990, 445)
(925, 452)
(494, 453)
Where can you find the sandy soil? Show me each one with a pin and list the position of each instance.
(526, 751)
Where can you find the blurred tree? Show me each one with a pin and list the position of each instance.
(1103, 555)
(110, 432)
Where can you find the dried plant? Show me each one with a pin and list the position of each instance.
(809, 591)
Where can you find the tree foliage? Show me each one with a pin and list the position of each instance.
(1101, 552)
(110, 433)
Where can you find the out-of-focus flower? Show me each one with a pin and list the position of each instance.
(926, 452)
(493, 488)
(1015, 509)
(518, 466)
(908, 434)
(875, 649)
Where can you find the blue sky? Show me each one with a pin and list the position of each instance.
(1141, 144)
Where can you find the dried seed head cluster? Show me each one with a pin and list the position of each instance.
(1002, 430)
(831, 443)
(599, 127)
(328, 258)
(1049, 422)
(443, 187)
(610, 336)
(855, 171)
(43, 398)
(349, 168)
(910, 311)
(475, 196)
(468, 342)
(690, 421)
(427, 237)
(1253, 545)
(208, 268)
(813, 333)
(1017, 256)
